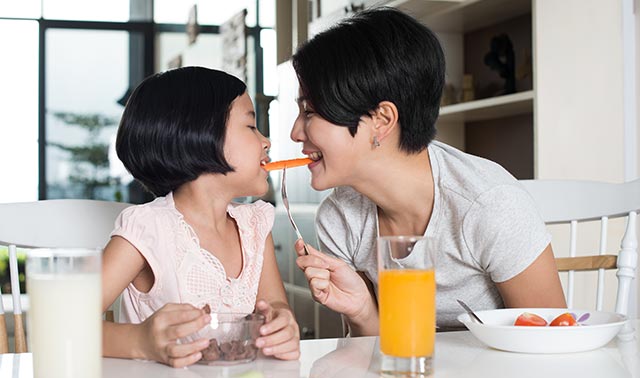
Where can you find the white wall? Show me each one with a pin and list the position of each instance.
(579, 89)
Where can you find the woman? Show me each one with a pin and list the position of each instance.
(370, 91)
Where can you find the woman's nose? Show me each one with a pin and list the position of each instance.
(297, 132)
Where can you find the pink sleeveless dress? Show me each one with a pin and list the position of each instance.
(184, 272)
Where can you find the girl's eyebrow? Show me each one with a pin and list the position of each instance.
(251, 113)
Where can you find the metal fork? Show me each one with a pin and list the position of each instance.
(285, 200)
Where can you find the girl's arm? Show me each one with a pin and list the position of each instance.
(537, 286)
(280, 336)
(155, 338)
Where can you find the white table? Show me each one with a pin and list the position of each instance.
(458, 354)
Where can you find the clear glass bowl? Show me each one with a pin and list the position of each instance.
(232, 338)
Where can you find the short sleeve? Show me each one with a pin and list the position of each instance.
(137, 225)
(333, 230)
(504, 231)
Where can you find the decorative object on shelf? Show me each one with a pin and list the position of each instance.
(234, 45)
(524, 70)
(468, 92)
(501, 58)
(192, 25)
(353, 8)
(449, 96)
(175, 62)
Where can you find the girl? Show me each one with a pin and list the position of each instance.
(189, 136)
(369, 125)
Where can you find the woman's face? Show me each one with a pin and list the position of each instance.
(245, 149)
(336, 153)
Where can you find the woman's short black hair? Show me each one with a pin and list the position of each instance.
(173, 127)
(376, 55)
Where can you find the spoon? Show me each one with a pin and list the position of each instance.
(469, 311)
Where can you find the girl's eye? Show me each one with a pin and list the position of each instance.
(252, 127)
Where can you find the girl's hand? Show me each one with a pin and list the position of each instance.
(334, 284)
(280, 336)
(161, 331)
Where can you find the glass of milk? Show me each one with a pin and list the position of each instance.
(65, 316)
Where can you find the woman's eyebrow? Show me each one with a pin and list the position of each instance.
(301, 99)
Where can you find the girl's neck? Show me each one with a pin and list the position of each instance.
(402, 187)
(195, 202)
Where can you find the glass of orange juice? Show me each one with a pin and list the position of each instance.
(407, 305)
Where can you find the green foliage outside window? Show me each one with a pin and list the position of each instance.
(5, 277)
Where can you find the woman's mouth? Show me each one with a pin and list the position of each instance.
(315, 156)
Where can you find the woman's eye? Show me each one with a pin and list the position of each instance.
(308, 113)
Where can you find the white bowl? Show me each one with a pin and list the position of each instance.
(499, 332)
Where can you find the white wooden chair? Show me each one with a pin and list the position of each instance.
(573, 202)
(74, 223)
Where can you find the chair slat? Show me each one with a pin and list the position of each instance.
(566, 264)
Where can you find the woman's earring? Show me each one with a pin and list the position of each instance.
(376, 142)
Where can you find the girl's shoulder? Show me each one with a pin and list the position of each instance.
(258, 211)
(148, 212)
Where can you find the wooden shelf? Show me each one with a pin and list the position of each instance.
(460, 16)
(488, 108)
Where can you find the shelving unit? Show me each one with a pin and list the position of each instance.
(489, 108)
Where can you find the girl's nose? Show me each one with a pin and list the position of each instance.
(297, 132)
(266, 143)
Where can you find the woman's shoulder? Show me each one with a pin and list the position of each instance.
(345, 200)
(468, 176)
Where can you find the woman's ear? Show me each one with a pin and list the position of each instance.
(385, 120)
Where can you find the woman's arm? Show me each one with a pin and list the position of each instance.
(334, 284)
(537, 286)
(280, 336)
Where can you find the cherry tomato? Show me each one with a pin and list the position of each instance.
(564, 320)
(529, 319)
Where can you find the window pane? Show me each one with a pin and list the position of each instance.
(89, 10)
(209, 12)
(86, 73)
(267, 13)
(269, 61)
(19, 115)
(20, 8)
(205, 52)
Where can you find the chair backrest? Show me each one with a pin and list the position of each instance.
(573, 202)
(58, 223)
(74, 223)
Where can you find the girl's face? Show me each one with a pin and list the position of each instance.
(245, 149)
(338, 156)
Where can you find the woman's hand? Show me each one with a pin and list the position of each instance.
(280, 336)
(160, 332)
(334, 284)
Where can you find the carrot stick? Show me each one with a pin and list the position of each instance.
(286, 164)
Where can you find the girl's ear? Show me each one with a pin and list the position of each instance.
(385, 120)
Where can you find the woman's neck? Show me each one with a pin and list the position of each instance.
(402, 187)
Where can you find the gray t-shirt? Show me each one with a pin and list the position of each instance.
(484, 226)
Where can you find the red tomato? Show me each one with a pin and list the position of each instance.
(564, 320)
(529, 319)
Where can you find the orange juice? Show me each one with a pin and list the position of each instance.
(407, 312)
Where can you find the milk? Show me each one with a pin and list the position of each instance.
(65, 324)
